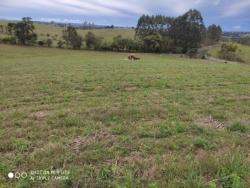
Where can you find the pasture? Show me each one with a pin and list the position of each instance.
(162, 121)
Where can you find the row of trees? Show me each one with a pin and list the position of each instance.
(213, 34)
(183, 34)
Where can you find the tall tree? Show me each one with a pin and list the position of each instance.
(148, 25)
(187, 30)
(72, 38)
(1, 28)
(90, 40)
(214, 33)
(151, 30)
(93, 42)
(10, 28)
(24, 31)
(161, 33)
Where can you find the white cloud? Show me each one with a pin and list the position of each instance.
(217, 2)
(60, 20)
(106, 7)
(236, 8)
(127, 7)
(237, 27)
(81, 7)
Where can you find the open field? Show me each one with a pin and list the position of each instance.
(55, 32)
(162, 121)
(244, 52)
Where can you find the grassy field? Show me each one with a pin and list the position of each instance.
(160, 122)
(244, 52)
(55, 32)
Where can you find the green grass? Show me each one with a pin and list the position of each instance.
(55, 32)
(116, 123)
(243, 52)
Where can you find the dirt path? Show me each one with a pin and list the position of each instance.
(221, 60)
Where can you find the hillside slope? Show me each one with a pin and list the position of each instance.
(162, 121)
(244, 52)
(55, 32)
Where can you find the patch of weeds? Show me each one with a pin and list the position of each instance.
(172, 145)
(18, 124)
(237, 127)
(119, 130)
(22, 145)
(115, 119)
(7, 145)
(71, 121)
(232, 181)
(180, 127)
(194, 181)
(153, 185)
(122, 151)
(24, 183)
(145, 133)
(219, 115)
(18, 159)
(3, 168)
(67, 183)
(195, 129)
(129, 179)
(166, 130)
(208, 164)
(231, 170)
(211, 185)
(105, 173)
(67, 121)
(202, 143)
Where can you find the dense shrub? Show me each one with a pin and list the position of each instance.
(106, 46)
(202, 53)
(41, 43)
(229, 52)
(192, 52)
(93, 42)
(9, 40)
(124, 44)
(72, 38)
(230, 56)
(60, 44)
(237, 127)
(24, 31)
(48, 42)
(152, 43)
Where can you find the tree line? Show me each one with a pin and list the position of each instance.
(182, 34)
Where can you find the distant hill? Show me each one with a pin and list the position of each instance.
(54, 31)
(232, 34)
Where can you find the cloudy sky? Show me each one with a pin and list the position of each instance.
(232, 15)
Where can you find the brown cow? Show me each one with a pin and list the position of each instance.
(133, 57)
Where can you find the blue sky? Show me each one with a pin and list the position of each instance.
(232, 15)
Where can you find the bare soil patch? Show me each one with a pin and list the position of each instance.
(39, 114)
(210, 122)
(130, 88)
(79, 141)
